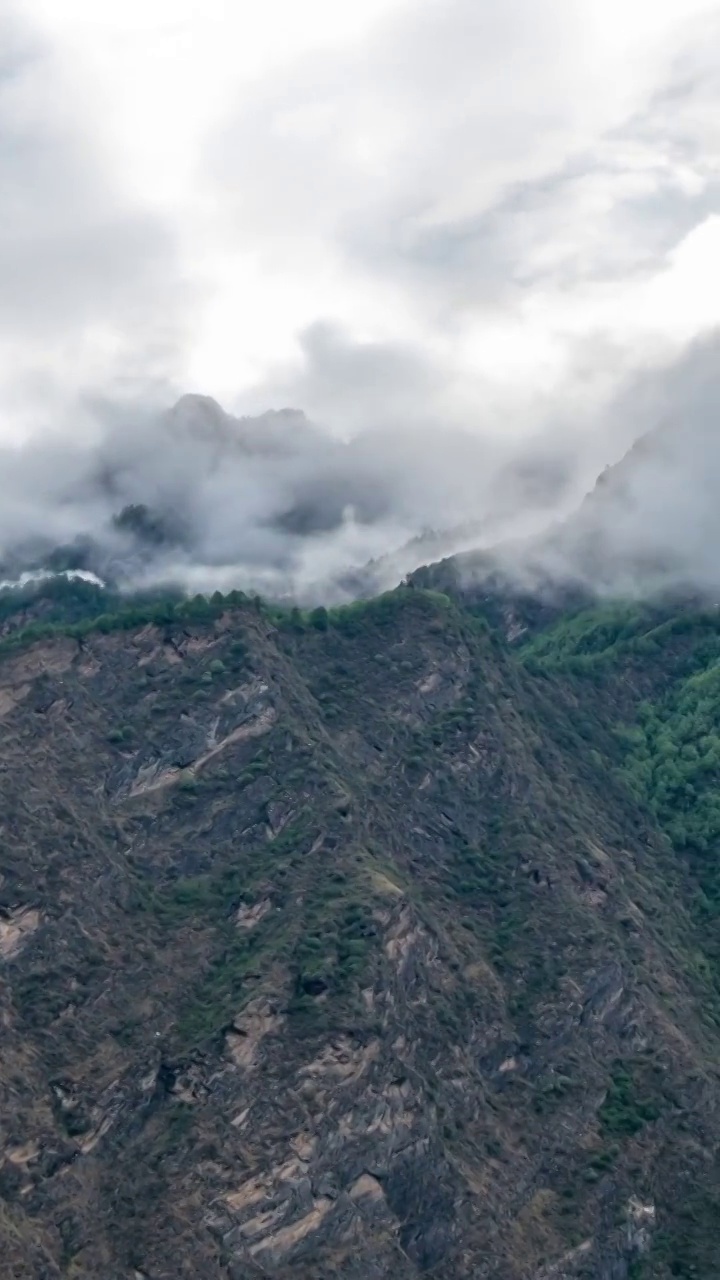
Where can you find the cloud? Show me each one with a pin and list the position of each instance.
(491, 186)
(469, 241)
(271, 503)
(207, 501)
(480, 188)
(651, 524)
(91, 281)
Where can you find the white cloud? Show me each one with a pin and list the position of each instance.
(441, 210)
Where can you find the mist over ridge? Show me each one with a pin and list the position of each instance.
(277, 504)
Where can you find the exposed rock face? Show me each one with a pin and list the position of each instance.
(329, 953)
(16, 928)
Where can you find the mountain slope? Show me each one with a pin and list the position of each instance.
(331, 947)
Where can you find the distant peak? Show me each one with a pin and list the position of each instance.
(193, 410)
(193, 400)
(199, 418)
(202, 416)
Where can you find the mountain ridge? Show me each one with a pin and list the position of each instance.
(331, 950)
(204, 500)
(361, 941)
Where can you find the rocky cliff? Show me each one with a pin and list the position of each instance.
(338, 946)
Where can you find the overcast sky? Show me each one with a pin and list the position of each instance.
(454, 210)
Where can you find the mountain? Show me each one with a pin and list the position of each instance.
(652, 519)
(371, 942)
(197, 418)
(647, 529)
(196, 497)
(200, 499)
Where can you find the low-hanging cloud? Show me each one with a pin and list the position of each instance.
(651, 524)
(273, 503)
(269, 502)
(472, 244)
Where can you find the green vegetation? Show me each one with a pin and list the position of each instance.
(606, 637)
(60, 599)
(77, 608)
(673, 761)
(75, 613)
(651, 677)
(624, 1112)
